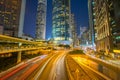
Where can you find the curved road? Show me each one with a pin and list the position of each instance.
(53, 68)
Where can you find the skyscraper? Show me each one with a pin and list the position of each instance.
(107, 15)
(9, 17)
(82, 30)
(91, 21)
(73, 30)
(41, 19)
(61, 21)
(22, 16)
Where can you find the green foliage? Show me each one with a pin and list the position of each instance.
(76, 52)
(65, 46)
(60, 45)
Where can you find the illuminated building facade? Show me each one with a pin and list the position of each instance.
(114, 18)
(61, 21)
(22, 18)
(107, 15)
(73, 30)
(92, 30)
(82, 30)
(9, 16)
(85, 38)
(41, 19)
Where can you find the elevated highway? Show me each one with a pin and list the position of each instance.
(11, 44)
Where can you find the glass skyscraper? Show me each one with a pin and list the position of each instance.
(41, 19)
(61, 21)
(91, 21)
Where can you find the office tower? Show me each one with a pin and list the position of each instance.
(82, 30)
(61, 21)
(22, 16)
(73, 30)
(114, 22)
(84, 38)
(41, 19)
(107, 15)
(9, 16)
(91, 22)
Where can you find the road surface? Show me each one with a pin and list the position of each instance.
(79, 69)
(53, 68)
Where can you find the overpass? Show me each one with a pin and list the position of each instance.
(12, 44)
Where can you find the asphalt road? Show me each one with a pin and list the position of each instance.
(24, 70)
(88, 72)
(53, 68)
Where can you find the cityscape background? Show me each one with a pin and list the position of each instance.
(78, 7)
(68, 21)
(80, 47)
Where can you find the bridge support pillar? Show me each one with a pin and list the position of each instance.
(19, 57)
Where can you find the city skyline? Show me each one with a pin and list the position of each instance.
(78, 8)
(82, 40)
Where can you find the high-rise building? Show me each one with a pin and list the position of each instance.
(82, 30)
(61, 21)
(9, 16)
(22, 16)
(73, 30)
(91, 21)
(107, 15)
(114, 22)
(41, 19)
(85, 38)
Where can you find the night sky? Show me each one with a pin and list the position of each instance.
(78, 7)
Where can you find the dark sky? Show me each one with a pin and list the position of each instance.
(78, 7)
